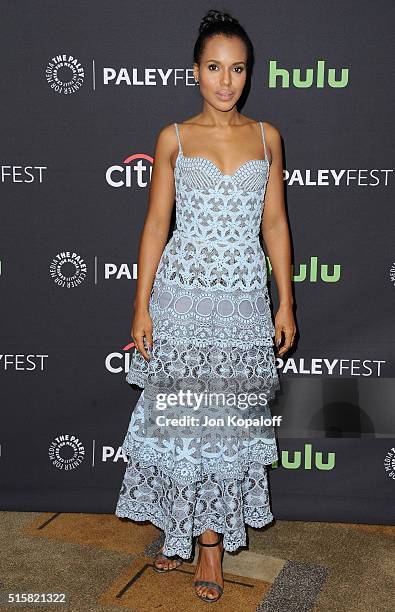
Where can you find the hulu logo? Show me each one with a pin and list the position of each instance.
(314, 272)
(314, 77)
(296, 462)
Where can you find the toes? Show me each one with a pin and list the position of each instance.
(166, 564)
(162, 564)
(209, 593)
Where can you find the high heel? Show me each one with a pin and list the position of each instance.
(212, 585)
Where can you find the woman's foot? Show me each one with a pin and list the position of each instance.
(162, 563)
(209, 566)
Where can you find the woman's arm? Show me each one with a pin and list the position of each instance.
(275, 232)
(154, 234)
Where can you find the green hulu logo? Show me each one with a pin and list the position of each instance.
(317, 77)
(296, 462)
(314, 272)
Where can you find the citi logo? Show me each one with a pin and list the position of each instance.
(309, 460)
(313, 271)
(135, 170)
(119, 361)
(319, 77)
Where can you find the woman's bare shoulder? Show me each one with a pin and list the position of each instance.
(166, 141)
(167, 131)
(272, 131)
(167, 136)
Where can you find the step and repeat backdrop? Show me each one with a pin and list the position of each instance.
(86, 88)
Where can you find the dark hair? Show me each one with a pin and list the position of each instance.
(219, 22)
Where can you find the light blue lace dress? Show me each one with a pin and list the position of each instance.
(211, 317)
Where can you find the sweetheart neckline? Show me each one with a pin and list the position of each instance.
(215, 165)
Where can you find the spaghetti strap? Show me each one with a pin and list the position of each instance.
(178, 138)
(263, 137)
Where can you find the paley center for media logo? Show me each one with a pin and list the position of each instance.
(65, 74)
(389, 463)
(66, 452)
(392, 273)
(68, 269)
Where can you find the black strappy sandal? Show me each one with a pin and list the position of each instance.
(207, 583)
(160, 557)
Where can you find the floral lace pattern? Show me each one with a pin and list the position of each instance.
(185, 511)
(212, 329)
(196, 316)
(213, 264)
(187, 460)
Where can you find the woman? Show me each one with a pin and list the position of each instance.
(202, 316)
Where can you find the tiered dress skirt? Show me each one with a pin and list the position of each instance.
(188, 480)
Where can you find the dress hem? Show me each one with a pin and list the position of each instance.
(169, 551)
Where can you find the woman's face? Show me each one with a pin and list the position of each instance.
(222, 72)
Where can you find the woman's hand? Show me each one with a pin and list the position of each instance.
(284, 322)
(142, 326)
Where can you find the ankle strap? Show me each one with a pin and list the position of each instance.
(208, 545)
